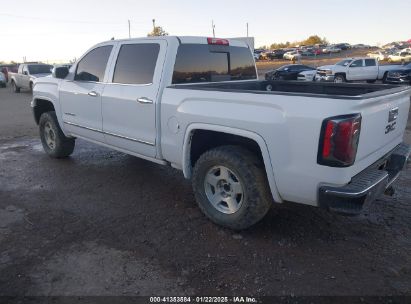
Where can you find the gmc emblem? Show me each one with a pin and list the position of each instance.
(392, 117)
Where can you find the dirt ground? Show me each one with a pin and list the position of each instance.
(104, 223)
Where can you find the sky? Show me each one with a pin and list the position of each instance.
(58, 31)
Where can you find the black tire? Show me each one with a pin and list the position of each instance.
(256, 199)
(60, 146)
(339, 78)
(15, 88)
(384, 78)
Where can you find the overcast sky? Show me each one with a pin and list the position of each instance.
(61, 30)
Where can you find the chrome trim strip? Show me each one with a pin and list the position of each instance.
(131, 84)
(76, 125)
(129, 138)
(112, 134)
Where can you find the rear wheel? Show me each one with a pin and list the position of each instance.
(54, 142)
(384, 78)
(231, 188)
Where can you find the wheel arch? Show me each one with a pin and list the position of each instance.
(227, 131)
(41, 105)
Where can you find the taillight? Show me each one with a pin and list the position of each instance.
(217, 41)
(339, 140)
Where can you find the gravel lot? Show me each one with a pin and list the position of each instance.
(104, 223)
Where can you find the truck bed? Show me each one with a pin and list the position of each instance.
(299, 88)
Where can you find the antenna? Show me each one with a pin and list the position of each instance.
(129, 33)
(213, 27)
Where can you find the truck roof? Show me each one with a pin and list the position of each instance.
(358, 58)
(181, 39)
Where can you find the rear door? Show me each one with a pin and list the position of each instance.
(130, 96)
(355, 70)
(370, 70)
(81, 97)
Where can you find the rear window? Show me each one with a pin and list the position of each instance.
(40, 69)
(370, 62)
(212, 63)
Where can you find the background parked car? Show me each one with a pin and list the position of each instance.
(8, 68)
(276, 54)
(293, 55)
(343, 46)
(402, 56)
(3, 81)
(402, 75)
(288, 72)
(378, 55)
(331, 49)
(308, 75)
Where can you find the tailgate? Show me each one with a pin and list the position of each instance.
(384, 120)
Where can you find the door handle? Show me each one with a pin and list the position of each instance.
(144, 100)
(93, 94)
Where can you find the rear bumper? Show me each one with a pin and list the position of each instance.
(366, 186)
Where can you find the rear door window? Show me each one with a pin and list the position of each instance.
(211, 63)
(136, 63)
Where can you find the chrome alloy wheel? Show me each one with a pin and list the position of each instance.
(49, 135)
(223, 189)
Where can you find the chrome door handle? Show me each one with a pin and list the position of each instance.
(144, 100)
(93, 94)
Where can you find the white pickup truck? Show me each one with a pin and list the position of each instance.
(27, 73)
(354, 69)
(195, 104)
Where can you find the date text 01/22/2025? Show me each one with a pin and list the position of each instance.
(238, 299)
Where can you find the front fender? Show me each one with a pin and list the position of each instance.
(49, 91)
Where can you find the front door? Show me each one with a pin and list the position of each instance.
(129, 97)
(81, 97)
(355, 70)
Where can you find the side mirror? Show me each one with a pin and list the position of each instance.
(25, 73)
(60, 72)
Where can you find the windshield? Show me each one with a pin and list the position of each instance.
(40, 69)
(344, 62)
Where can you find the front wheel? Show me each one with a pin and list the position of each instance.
(339, 79)
(231, 187)
(15, 88)
(54, 142)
